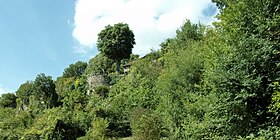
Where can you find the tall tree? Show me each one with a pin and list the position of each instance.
(44, 91)
(24, 92)
(116, 42)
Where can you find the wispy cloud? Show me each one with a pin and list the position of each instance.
(152, 21)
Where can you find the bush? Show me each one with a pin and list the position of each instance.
(102, 91)
(145, 125)
(13, 124)
(98, 130)
(54, 123)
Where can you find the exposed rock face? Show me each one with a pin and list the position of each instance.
(95, 81)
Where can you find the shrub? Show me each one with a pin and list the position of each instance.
(145, 124)
(102, 91)
(98, 130)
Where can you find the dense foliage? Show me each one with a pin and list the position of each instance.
(220, 82)
(75, 70)
(116, 42)
(8, 100)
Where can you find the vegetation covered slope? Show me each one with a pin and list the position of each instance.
(218, 82)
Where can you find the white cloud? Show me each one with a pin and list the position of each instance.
(152, 21)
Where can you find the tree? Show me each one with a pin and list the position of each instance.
(75, 70)
(72, 92)
(100, 64)
(24, 92)
(116, 42)
(251, 29)
(44, 91)
(8, 100)
(190, 32)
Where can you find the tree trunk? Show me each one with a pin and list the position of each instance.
(118, 63)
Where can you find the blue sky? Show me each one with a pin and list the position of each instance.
(35, 37)
(45, 36)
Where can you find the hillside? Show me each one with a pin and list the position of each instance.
(219, 82)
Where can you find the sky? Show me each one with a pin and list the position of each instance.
(46, 36)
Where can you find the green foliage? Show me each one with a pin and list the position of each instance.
(250, 27)
(190, 32)
(75, 100)
(44, 91)
(8, 100)
(145, 125)
(221, 4)
(116, 42)
(75, 70)
(133, 57)
(118, 124)
(53, 124)
(63, 86)
(75, 93)
(71, 87)
(136, 89)
(271, 133)
(13, 124)
(275, 101)
(24, 92)
(100, 64)
(99, 129)
(102, 91)
(179, 82)
(260, 18)
(72, 91)
(205, 83)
